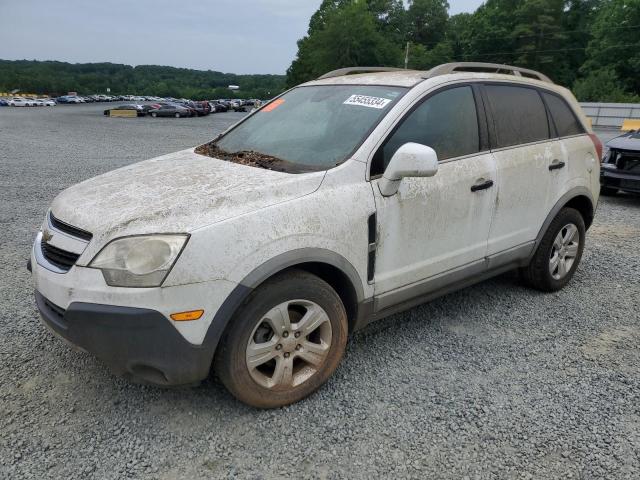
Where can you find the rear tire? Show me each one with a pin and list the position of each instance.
(608, 191)
(284, 342)
(558, 255)
(177, 115)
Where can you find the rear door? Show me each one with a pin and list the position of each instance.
(523, 149)
(576, 158)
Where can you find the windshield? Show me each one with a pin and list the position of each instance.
(312, 128)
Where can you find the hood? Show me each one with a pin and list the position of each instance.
(627, 141)
(179, 192)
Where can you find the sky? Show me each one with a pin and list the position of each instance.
(236, 36)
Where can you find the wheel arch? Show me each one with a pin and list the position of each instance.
(331, 267)
(579, 198)
(584, 205)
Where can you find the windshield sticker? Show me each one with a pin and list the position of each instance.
(273, 105)
(364, 101)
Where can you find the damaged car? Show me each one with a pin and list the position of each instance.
(621, 164)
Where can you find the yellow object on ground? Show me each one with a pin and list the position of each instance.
(630, 124)
(123, 113)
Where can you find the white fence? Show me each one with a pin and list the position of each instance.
(610, 115)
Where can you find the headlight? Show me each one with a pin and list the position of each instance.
(139, 261)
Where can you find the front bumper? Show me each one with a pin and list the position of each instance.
(130, 329)
(614, 178)
(136, 343)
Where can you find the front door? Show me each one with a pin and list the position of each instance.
(438, 225)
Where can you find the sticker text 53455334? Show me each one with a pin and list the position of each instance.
(365, 101)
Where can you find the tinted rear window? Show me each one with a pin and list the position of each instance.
(565, 120)
(519, 115)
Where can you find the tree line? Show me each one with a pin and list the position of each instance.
(58, 78)
(590, 46)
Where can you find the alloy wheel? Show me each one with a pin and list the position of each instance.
(289, 344)
(564, 251)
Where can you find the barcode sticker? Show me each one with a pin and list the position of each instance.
(365, 101)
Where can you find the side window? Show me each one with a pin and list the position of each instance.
(519, 115)
(446, 122)
(565, 120)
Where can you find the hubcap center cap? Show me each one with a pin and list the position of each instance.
(288, 344)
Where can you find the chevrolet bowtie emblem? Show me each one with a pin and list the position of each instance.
(46, 235)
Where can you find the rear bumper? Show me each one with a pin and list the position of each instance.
(614, 178)
(136, 343)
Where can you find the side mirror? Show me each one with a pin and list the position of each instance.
(410, 160)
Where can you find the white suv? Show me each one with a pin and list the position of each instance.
(340, 202)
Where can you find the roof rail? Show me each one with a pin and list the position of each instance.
(488, 68)
(349, 70)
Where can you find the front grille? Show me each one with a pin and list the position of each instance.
(69, 229)
(60, 258)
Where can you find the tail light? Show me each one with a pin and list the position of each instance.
(598, 144)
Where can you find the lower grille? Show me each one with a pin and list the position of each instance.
(60, 258)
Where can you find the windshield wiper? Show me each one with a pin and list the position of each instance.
(253, 159)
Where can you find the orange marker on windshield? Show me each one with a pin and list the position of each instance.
(273, 105)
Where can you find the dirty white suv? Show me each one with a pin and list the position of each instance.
(342, 201)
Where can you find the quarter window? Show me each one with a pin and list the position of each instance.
(519, 116)
(446, 122)
(565, 120)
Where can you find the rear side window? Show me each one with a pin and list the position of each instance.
(446, 122)
(519, 116)
(565, 120)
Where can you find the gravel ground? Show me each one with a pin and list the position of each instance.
(495, 381)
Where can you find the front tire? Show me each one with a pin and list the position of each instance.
(558, 255)
(154, 114)
(284, 342)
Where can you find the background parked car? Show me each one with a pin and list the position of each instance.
(238, 106)
(200, 108)
(621, 164)
(140, 109)
(185, 104)
(68, 99)
(20, 102)
(177, 111)
(217, 106)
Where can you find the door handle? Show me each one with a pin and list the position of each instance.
(482, 186)
(556, 165)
